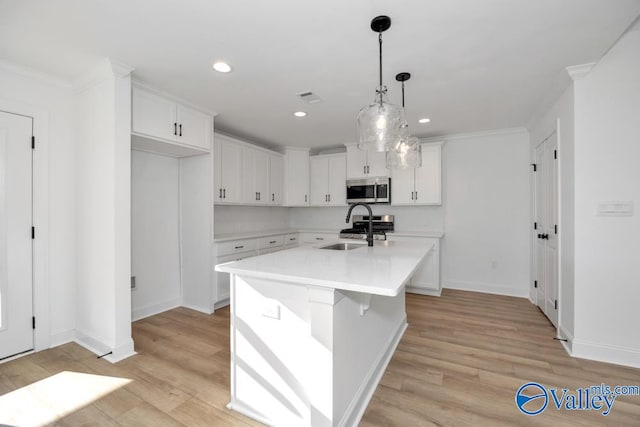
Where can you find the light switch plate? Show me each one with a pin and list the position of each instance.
(621, 208)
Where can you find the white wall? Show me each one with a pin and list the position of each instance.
(238, 219)
(607, 149)
(196, 206)
(103, 305)
(20, 87)
(155, 237)
(561, 115)
(486, 212)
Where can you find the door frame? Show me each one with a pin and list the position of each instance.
(40, 213)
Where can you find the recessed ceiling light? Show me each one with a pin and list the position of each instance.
(222, 67)
(299, 114)
(425, 120)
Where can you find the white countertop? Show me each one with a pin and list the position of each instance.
(379, 270)
(223, 237)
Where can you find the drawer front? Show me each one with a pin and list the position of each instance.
(291, 239)
(236, 247)
(270, 242)
(312, 238)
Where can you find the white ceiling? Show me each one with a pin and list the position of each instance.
(475, 64)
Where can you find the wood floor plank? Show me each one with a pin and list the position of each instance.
(460, 363)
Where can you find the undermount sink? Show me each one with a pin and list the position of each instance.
(343, 246)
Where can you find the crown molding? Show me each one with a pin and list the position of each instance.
(32, 73)
(103, 70)
(579, 72)
(469, 135)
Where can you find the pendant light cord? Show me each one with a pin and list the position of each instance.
(403, 94)
(380, 57)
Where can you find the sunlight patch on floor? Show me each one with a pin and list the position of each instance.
(52, 398)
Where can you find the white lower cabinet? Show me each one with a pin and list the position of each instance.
(426, 279)
(222, 279)
(235, 250)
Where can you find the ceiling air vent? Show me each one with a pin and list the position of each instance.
(309, 97)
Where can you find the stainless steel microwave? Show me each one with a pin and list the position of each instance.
(369, 190)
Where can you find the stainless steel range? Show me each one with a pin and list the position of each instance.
(360, 223)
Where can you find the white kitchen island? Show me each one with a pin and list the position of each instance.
(312, 330)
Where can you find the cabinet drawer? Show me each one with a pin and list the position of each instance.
(291, 239)
(235, 247)
(312, 238)
(270, 242)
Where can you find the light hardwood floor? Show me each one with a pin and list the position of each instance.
(460, 362)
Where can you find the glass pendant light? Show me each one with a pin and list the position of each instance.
(380, 123)
(406, 152)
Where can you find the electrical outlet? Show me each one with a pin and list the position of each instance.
(271, 309)
(133, 283)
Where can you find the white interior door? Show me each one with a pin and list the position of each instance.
(546, 217)
(16, 292)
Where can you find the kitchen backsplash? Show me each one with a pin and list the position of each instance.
(407, 218)
(235, 219)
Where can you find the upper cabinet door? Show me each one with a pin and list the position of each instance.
(319, 181)
(402, 187)
(377, 164)
(194, 127)
(337, 180)
(428, 188)
(356, 162)
(248, 181)
(230, 171)
(297, 178)
(153, 116)
(276, 169)
(261, 176)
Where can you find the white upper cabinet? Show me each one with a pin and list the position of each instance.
(255, 176)
(328, 174)
(276, 176)
(419, 186)
(194, 127)
(227, 171)
(160, 118)
(318, 180)
(153, 115)
(296, 177)
(364, 164)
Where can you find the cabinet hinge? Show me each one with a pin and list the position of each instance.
(33, 232)
(33, 142)
(555, 304)
(535, 167)
(535, 225)
(555, 229)
(33, 322)
(535, 283)
(555, 154)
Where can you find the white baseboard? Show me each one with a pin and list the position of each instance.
(568, 345)
(223, 303)
(423, 291)
(487, 288)
(247, 412)
(99, 348)
(60, 338)
(198, 308)
(155, 308)
(358, 405)
(93, 345)
(606, 353)
(121, 352)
